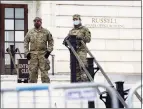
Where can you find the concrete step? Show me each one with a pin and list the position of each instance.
(54, 78)
(108, 73)
(57, 78)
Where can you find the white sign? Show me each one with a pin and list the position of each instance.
(81, 94)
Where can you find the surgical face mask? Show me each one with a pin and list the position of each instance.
(76, 22)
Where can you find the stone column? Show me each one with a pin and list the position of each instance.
(38, 8)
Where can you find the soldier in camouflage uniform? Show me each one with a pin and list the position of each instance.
(38, 52)
(84, 34)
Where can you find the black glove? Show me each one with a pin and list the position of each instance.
(64, 42)
(28, 56)
(47, 54)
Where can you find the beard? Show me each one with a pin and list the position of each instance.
(37, 25)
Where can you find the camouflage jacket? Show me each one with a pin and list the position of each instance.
(38, 41)
(81, 31)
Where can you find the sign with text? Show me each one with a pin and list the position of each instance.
(105, 22)
(81, 94)
(23, 68)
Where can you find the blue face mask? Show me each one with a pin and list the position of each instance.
(76, 22)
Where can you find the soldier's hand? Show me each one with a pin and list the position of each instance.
(64, 42)
(28, 56)
(47, 54)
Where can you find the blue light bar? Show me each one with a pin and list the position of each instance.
(32, 88)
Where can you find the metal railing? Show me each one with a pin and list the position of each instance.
(132, 92)
(88, 74)
(17, 50)
(53, 64)
(98, 68)
(83, 89)
(80, 86)
(12, 58)
(106, 77)
(25, 88)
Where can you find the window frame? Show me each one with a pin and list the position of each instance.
(2, 30)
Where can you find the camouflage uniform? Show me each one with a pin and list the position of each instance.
(86, 36)
(38, 47)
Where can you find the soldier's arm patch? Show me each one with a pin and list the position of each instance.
(87, 37)
(50, 42)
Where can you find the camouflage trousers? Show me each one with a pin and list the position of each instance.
(80, 74)
(38, 61)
